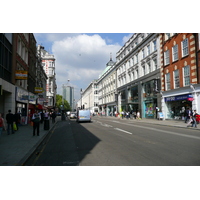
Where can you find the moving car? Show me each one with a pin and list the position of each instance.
(72, 115)
(83, 115)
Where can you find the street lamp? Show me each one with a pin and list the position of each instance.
(81, 97)
(195, 97)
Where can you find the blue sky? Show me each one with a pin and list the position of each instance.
(81, 57)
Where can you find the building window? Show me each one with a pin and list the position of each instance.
(129, 77)
(184, 47)
(175, 52)
(136, 58)
(136, 74)
(186, 75)
(149, 66)
(19, 47)
(166, 57)
(132, 75)
(133, 60)
(154, 45)
(199, 39)
(155, 64)
(143, 70)
(148, 50)
(176, 79)
(167, 36)
(143, 53)
(167, 77)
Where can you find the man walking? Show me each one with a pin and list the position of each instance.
(53, 116)
(9, 120)
(36, 123)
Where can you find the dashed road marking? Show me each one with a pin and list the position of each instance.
(123, 130)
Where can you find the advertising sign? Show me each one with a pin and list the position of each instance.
(38, 90)
(20, 74)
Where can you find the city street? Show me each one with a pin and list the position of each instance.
(114, 142)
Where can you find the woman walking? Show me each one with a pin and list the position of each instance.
(2, 124)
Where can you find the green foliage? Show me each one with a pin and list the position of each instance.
(59, 103)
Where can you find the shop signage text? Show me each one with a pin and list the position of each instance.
(188, 97)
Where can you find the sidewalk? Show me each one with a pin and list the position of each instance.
(174, 123)
(16, 148)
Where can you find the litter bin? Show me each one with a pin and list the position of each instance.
(46, 124)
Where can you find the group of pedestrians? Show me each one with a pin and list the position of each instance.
(39, 118)
(130, 114)
(190, 118)
(12, 122)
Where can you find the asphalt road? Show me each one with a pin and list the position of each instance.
(111, 142)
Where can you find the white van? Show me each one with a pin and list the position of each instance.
(83, 115)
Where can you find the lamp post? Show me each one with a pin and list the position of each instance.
(81, 97)
(195, 98)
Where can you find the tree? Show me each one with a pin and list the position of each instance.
(60, 101)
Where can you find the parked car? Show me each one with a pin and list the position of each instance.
(72, 115)
(83, 115)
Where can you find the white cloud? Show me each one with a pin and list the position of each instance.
(126, 38)
(80, 58)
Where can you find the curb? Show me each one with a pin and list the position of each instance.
(31, 151)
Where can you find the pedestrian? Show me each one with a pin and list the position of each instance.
(36, 122)
(122, 114)
(127, 115)
(194, 123)
(186, 115)
(42, 117)
(190, 117)
(16, 119)
(138, 115)
(2, 124)
(53, 116)
(46, 115)
(10, 120)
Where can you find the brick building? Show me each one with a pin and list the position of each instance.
(179, 77)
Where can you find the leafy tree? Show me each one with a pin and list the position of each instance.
(59, 103)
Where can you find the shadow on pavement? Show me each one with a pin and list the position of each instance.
(67, 145)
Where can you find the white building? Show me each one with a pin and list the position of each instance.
(89, 98)
(138, 74)
(41, 80)
(48, 62)
(107, 90)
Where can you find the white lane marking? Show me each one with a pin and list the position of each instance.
(159, 130)
(106, 125)
(123, 130)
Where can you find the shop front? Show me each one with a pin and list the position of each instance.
(133, 100)
(25, 104)
(176, 106)
(150, 99)
(150, 104)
